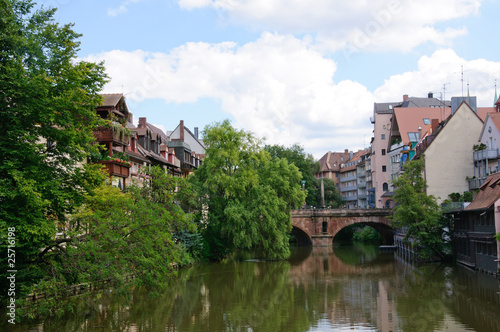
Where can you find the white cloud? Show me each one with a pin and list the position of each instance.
(442, 73)
(353, 25)
(122, 8)
(277, 87)
(281, 88)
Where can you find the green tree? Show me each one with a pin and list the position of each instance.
(112, 236)
(418, 214)
(332, 196)
(304, 162)
(308, 167)
(47, 103)
(247, 195)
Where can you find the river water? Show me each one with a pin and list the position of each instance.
(339, 288)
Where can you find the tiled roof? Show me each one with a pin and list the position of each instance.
(410, 118)
(331, 161)
(495, 117)
(111, 99)
(483, 111)
(424, 102)
(387, 108)
(488, 194)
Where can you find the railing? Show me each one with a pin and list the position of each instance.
(349, 188)
(179, 144)
(106, 135)
(485, 154)
(348, 178)
(396, 146)
(475, 183)
(454, 206)
(116, 168)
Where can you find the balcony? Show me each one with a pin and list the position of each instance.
(117, 168)
(348, 178)
(475, 183)
(485, 154)
(349, 188)
(112, 135)
(396, 145)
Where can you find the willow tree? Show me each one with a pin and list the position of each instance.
(247, 195)
(47, 102)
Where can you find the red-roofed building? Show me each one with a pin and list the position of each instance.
(476, 226)
(330, 165)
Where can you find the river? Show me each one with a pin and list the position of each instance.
(340, 288)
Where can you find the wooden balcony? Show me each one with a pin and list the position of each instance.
(107, 135)
(116, 168)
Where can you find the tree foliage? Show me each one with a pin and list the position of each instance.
(47, 102)
(308, 168)
(112, 236)
(418, 214)
(247, 195)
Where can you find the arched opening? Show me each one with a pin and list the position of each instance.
(370, 232)
(301, 238)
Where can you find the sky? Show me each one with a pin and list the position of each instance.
(290, 71)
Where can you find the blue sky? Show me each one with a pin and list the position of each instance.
(292, 71)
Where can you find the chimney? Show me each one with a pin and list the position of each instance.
(405, 97)
(346, 151)
(434, 125)
(142, 123)
(196, 132)
(181, 128)
(430, 95)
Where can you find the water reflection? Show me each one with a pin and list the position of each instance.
(318, 289)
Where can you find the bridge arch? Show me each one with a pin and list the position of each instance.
(302, 238)
(386, 231)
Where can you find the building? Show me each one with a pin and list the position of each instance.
(114, 137)
(362, 181)
(381, 142)
(188, 147)
(448, 152)
(330, 165)
(348, 180)
(153, 146)
(476, 226)
(408, 126)
(486, 153)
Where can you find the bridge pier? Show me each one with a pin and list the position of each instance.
(324, 240)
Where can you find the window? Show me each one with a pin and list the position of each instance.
(427, 121)
(383, 152)
(384, 168)
(413, 137)
(385, 186)
(382, 136)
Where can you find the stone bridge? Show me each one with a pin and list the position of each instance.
(319, 226)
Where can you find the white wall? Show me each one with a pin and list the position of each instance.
(449, 159)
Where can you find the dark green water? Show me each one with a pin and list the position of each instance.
(319, 289)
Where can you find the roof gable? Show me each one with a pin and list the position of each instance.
(488, 194)
(409, 119)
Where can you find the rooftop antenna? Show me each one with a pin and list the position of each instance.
(496, 97)
(443, 101)
(462, 66)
